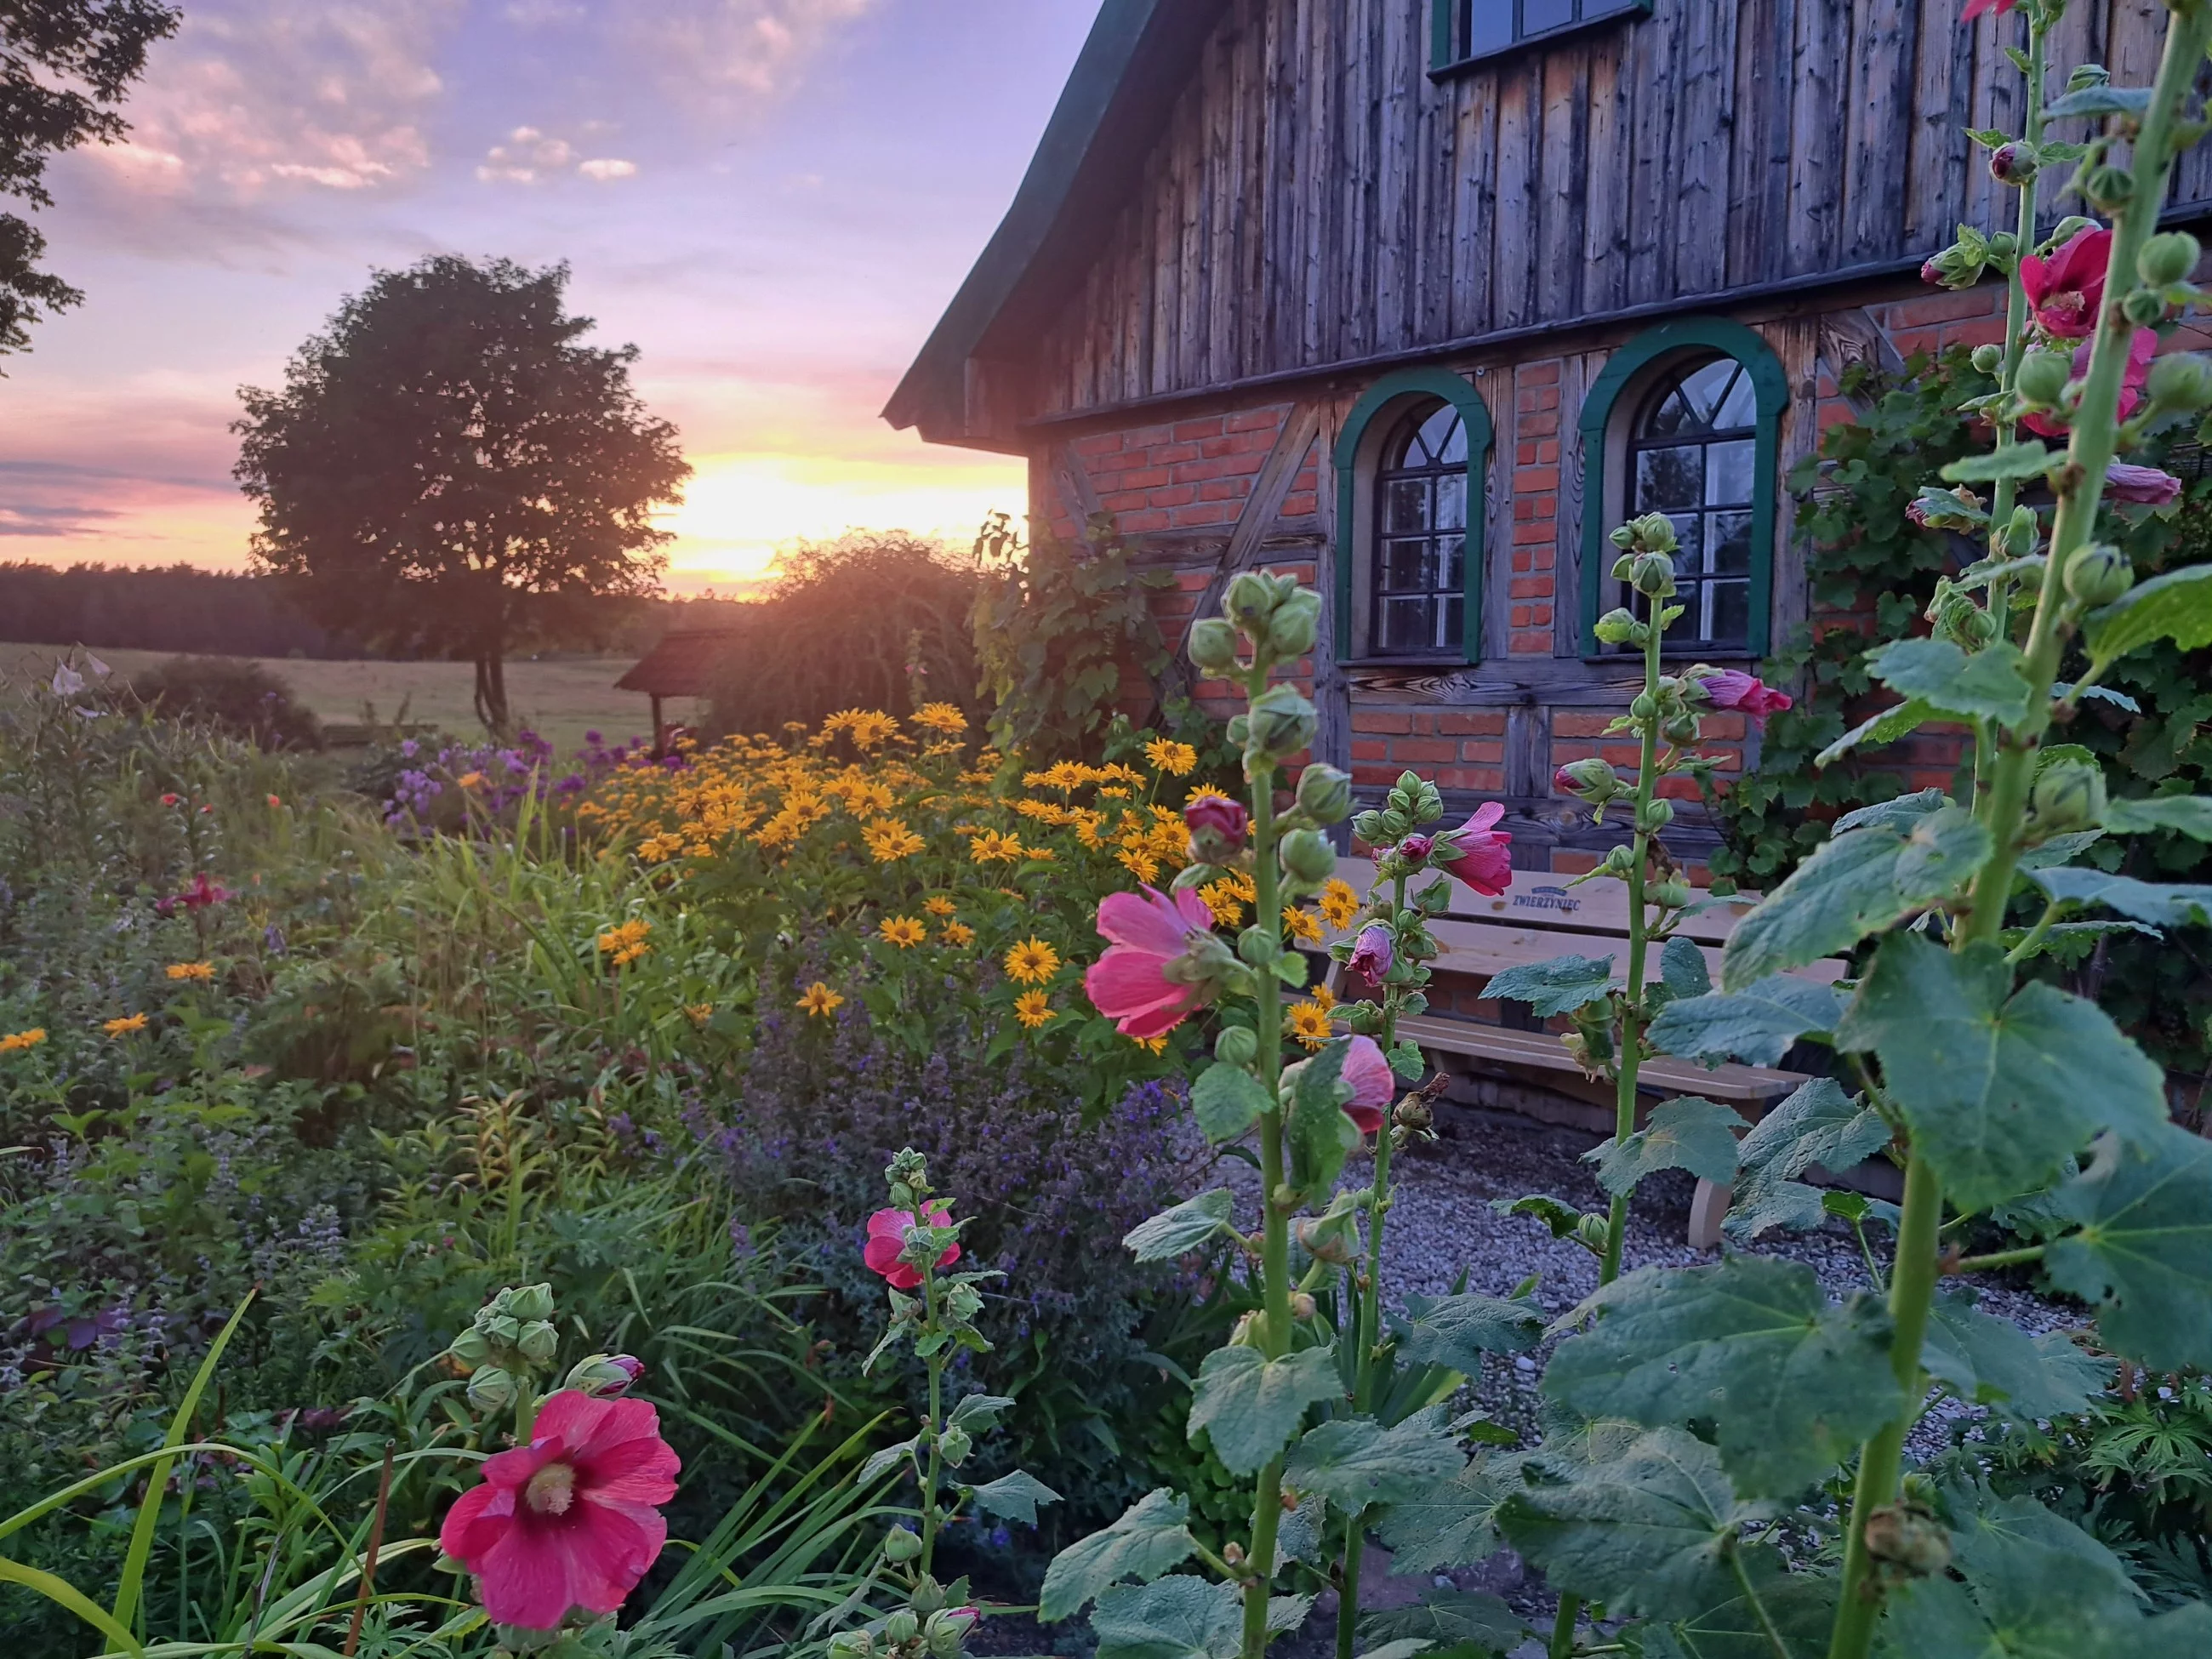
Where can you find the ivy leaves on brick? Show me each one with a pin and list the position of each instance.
(2143, 1255)
(1251, 1406)
(1790, 1381)
(1756, 1025)
(1558, 986)
(1999, 1088)
(1152, 1537)
(1190, 1225)
(1859, 884)
(1687, 1133)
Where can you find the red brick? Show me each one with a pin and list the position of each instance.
(1369, 749)
(1379, 720)
(1546, 373)
(1226, 489)
(1723, 725)
(1678, 788)
(1566, 863)
(1412, 749)
(1531, 587)
(1487, 751)
(1910, 340)
(1122, 461)
(1208, 427)
(1533, 643)
(1535, 478)
(1568, 723)
(1523, 560)
(1104, 443)
(1301, 504)
(1194, 581)
(1982, 330)
(1144, 437)
(1481, 724)
(1543, 555)
(1229, 466)
(1122, 500)
(1174, 496)
(1490, 780)
(1534, 425)
(1168, 454)
(1151, 478)
(1205, 513)
(1253, 420)
(1252, 443)
(1138, 523)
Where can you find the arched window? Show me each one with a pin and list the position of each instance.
(1693, 455)
(1419, 583)
(1410, 463)
(1686, 420)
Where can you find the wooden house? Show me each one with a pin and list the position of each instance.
(1421, 297)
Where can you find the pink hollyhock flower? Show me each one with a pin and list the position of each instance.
(2068, 289)
(570, 1520)
(2145, 485)
(1372, 953)
(1372, 1085)
(1225, 817)
(1129, 984)
(1476, 854)
(887, 1238)
(1984, 8)
(2142, 346)
(1414, 848)
(1731, 688)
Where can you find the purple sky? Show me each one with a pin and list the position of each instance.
(774, 198)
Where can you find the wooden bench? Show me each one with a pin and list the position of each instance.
(1539, 917)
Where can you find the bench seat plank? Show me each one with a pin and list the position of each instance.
(1542, 1051)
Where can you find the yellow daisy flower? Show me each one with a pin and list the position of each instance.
(940, 717)
(1173, 758)
(126, 1026)
(1325, 997)
(819, 1000)
(1302, 924)
(1033, 1009)
(956, 932)
(992, 847)
(1221, 898)
(1338, 903)
(890, 840)
(30, 1039)
(199, 970)
(1309, 1023)
(940, 906)
(902, 931)
(700, 1013)
(1031, 962)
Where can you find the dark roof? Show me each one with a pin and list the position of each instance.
(683, 664)
(1139, 55)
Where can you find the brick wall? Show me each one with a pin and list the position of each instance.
(1187, 474)
(1533, 583)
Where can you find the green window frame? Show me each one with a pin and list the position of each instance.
(1369, 424)
(1453, 44)
(1626, 370)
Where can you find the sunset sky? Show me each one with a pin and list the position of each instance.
(772, 198)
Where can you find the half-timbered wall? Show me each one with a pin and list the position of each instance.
(1318, 199)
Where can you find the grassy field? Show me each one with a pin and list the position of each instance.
(560, 699)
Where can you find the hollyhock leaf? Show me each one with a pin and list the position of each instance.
(1646, 1531)
(1227, 1100)
(2176, 606)
(1792, 1382)
(1987, 685)
(1818, 1123)
(1188, 1226)
(2183, 815)
(2027, 461)
(1994, 1362)
(1560, 1217)
(1682, 968)
(2060, 849)
(1900, 812)
(2143, 1256)
(2162, 904)
(1556, 987)
(1454, 1332)
(1251, 1406)
(1405, 1648)
(1151, 1538)
(1845, 891)
(1180, 1617)
(977, 1411)
(1941, 854)
(1407, 1061)
(1471, 1622)
(1683, 1133)
(1453, 1524)
(1014, 1496)
(2107, 100)
(1764, 1201)
(1355, 1461)
(881, 1461)
(1998, 1090)
(2035, 1587)
(1756, 1025)
(1800, 1606)
(1321, 1136)
(1299, 1537)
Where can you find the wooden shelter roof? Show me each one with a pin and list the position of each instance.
(683, 664)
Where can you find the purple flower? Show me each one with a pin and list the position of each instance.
(1372, 953)
(2146, 486)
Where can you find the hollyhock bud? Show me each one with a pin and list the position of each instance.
(900, 1545)
(2042, 376)
(2069, 794)
(2012, 164)
(902, 1624)
(1251, 602)
(492, 1389)
(1303, 1305)
(1416, 847)
(1218, 827)
(1653, 575)
(2145, 486)
(540, 1342)
(1655, 815)
(2179, 380)
(605, 1376)
(1589, 779)
(1281, 723)
(1372, 954)
(1988, 358)
(2099, 574)
(471, 1349)
(947, 1629)
(1308, 856)
(2144, 306)
(529, 1302)
(1297, 621)
(957, 1444)
(2168, 259)
(1324, 793)
(1617, 627)
(1214, 644)
(1237, 1045)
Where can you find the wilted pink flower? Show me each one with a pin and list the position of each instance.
(1372, 1086)
(571, 1519)
(1217, 813)
(1476, 854)
(2142, 346)
(1979, 8)
(1931, 273)
(1372, 953)
(2068, 288)
(1414, 848)
(1129, 984)
(2145, 485)
(887, 1238)
(1731, 688)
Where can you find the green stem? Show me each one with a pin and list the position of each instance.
(1974, 1264)
(2034, 935)
(935, 1470)
(1275, 1236)
(1630, 1053)
(2000, 600)
(1562, 1644)
(1765, 1619)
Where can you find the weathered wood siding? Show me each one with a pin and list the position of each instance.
(1318, 199)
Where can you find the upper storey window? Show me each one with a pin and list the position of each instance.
(1467, 30)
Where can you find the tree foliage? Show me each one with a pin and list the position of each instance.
(448, 466)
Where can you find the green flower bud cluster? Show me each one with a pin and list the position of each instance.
(1280, 619)
(1413, 801)
(1619, 627)
(907, 1177)
(2042, 378)
(2068, 795)
(1308, 859)
(1279, 723)
(511, 1339)
(2180, 383)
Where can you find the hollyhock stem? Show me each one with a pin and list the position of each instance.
(2095, 440)
(935, 1470)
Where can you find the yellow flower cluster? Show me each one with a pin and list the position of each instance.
(192, 971)
(15, 1040)
(625, 943)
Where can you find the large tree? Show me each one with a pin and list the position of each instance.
(448, 467)
(65, 65)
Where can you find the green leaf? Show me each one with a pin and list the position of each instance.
(1756, 1025)
(1562, 1219)
(2132, 101)
(2183, 815)
(1682, 968)
(2035, 1587)
(1454, 1524)
(1802, 1607)
(1791, 1381)
(1299, 1537)
(2176, 606)
(1855, 884)
(1179, 1616)
(1461, 1619)
(1227, 1100)
(1992, 1361)
(1150, 1537)
(2144, 1254)
(1998, 1093)
(1900, 720)
(1192, 1224)
(881, 1461)
(1014, 1496)
(1556, 987)
(2027, 461)
(1683, 1133)
(978, 1412)
(1454, 1332)
(1899, 812)
(1987, 685)
(1356, 1462)
(1646, 1532)
(1818, 1123)
(2161, 904)
(1407, 1061)
(1762, 1204)
(1251, 1406)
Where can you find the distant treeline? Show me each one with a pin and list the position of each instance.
(179, 608)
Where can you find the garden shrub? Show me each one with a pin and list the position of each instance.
(236, 696)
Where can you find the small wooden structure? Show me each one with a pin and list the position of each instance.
(683, 665)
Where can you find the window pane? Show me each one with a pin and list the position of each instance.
(1408, 505)
(1451, 562)
(1405, 566)
(1537, 15)
(1728, 544)
(1455, 629)
(1729, 471)
(1739, 407)
(1438, 433)
(1669, 479)
(1669, 417)
(1409, 624)
(1451, 501)
(1486, 24)
(1731, 611)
